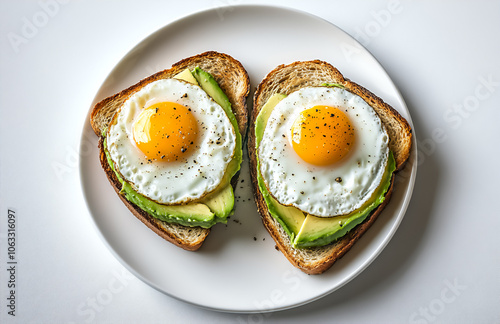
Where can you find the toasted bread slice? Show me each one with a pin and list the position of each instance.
(232, 79)
(286, 79)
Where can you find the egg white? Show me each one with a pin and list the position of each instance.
(178, 182)
(316, 189)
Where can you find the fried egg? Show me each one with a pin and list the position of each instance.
(324, 151)
(171, 142)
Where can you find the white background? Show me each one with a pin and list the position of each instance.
(441, 266)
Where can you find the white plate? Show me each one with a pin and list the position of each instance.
(238, 268)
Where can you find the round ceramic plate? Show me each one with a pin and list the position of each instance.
(238, 268)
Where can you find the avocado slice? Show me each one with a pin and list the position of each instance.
(211, 87)
(221, 202)
(194, 214)
(319, 231)
(333, 85)
(265, 112)
(215, 207)
(187, 76)
(290, 218)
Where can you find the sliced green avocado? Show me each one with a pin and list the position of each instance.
(187, 76)
(319, 231)
(211, 87)
(332, 85)
(221, 202)
(290, 218)
(194, 214)
(215, 207)
(265, 112)
(208, 83)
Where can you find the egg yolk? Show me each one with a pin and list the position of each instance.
(322, 135)
(165, 131)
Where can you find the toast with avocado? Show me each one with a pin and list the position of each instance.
(312, 241)
(222, 83)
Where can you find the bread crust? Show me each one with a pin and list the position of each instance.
(286, 79)
(233, 80)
